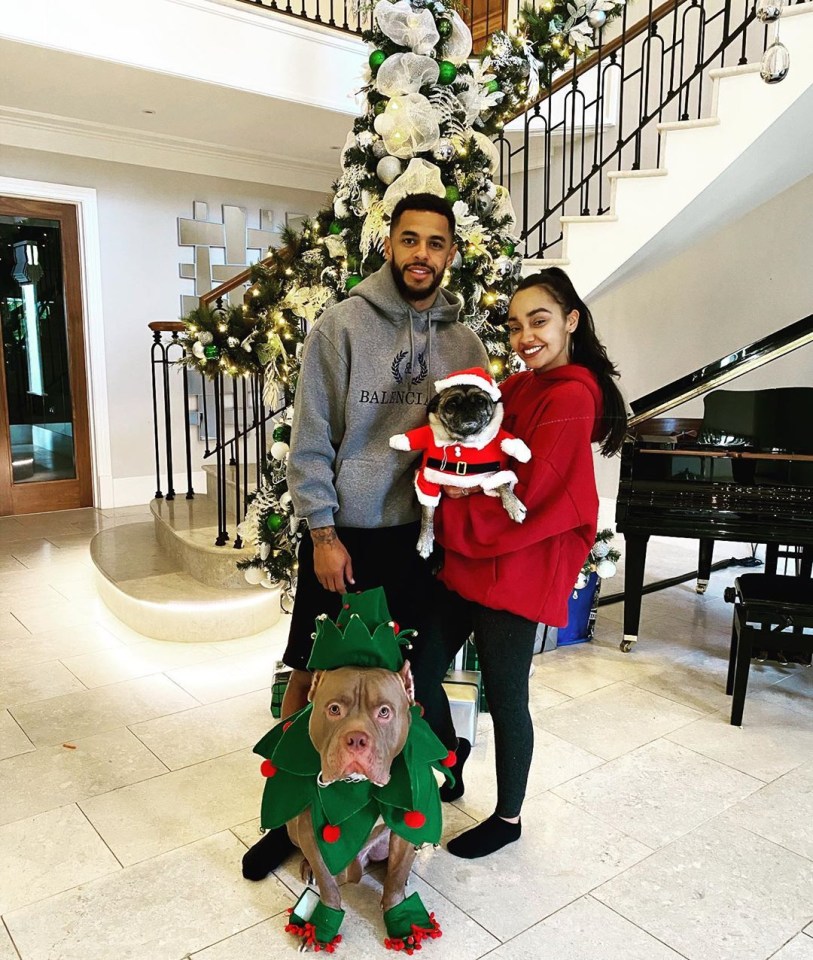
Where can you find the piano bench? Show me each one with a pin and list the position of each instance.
(766, 607)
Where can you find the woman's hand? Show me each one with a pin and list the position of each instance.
(455, 493)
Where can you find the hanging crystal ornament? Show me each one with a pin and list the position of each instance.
(769, 10)
(775, 62)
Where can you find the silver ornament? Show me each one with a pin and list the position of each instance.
(769, 10)
(597, 19)
(775, 63)
(379, 149)
(388, 169)
(444, 151)
(457, 263)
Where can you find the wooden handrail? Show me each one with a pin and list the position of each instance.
(167, 326)
(228, 285)
(589, 62)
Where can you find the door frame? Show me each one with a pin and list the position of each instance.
(90, 276)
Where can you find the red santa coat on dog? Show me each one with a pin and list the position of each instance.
(480, 461)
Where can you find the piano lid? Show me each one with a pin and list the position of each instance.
(721, 371)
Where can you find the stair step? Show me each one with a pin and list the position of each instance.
(148, 590)
(187, 529)
(532, 264)
(716, 73)
(668, 125)
(593, 218)
(635, 174)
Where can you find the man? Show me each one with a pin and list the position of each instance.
(367, 373)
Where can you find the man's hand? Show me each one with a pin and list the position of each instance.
(331, 561)
(455, 493)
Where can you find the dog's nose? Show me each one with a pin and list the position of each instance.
(357, 741)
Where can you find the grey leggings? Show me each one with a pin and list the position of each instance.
(505, 644)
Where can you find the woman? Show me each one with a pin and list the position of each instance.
(504, 578)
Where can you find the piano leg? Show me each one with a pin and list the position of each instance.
(633, 585)
(704, 565)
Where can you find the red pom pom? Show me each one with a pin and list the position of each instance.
(331, 834)
(451, 759)
(347, 606)
(267, 769)
(395, 627)
(414, 819)
(286, 725)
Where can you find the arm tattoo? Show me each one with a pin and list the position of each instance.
(324, 535)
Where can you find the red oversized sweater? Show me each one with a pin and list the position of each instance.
(530, 568)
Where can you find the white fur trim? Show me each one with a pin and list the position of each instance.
(477, 442)
(499, 478)
(466, 379)
(425, 499)
(516, 448)
(454, 479)
(400, 442)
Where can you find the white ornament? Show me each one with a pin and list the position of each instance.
(444, 151)
(605, 569)
(379, 149)
(268, 583)
(458, 44)
(197, 349)
(279, 450)
(409, 125)
(581, 581)
(265, 550)
(597, 19)
(406, 27)
(232, 342)
(388, 169)
(285, 501)
(601, 549)
(420, 176)
(205, 338)
(340, 208)
(406, 73)
(254, 575)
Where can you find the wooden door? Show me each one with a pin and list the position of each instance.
(44, 429)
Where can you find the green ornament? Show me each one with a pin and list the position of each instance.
(377, 57)
(334, 228)
(380, 107)
(444, 28)
(274, 521)
(353, 280)
(282, 433)
(493, 86)
(452, 194)
(448, 72)
(507, 249)
(211, 352)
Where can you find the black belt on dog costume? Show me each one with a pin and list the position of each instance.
(460, 467)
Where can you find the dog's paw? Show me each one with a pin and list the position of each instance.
(399, 442)
(424, 547)
(517, 510)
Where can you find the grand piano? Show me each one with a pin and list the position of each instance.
(744, 472)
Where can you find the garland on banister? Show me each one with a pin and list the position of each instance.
(427, 126)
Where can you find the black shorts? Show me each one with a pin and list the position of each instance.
(384, 557)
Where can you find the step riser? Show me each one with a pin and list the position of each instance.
(214, 569)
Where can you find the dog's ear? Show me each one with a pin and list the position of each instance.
(405, 673)
(317, 679)
(433, 405)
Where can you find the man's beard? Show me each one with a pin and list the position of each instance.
(405, 291)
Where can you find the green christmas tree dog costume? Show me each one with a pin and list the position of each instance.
(345, 812)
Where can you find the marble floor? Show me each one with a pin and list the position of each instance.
(653, 830)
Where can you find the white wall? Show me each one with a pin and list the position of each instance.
(738, 285)
(138, 210)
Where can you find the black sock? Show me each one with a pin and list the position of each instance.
(447, 792)
(267, 854)
(485, 838)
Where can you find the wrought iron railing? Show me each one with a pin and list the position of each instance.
(355, 16)
(602, 115)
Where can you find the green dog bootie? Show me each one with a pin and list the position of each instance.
(318, 925)
(408, 924)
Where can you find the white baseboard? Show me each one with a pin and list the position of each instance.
(132, 491)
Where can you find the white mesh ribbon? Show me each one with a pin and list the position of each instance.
(406, 73)
(407, 27)
(489, 150)
(458, 44)
(408, 126)
(420, 176)
(504, 208)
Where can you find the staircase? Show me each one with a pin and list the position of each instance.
(743, 150)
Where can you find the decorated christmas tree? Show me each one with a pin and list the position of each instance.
(430, 114)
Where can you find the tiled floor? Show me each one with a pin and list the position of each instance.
(652, 831)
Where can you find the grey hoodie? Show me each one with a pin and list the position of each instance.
(368, 370)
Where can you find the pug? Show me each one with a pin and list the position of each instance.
(465, 446)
